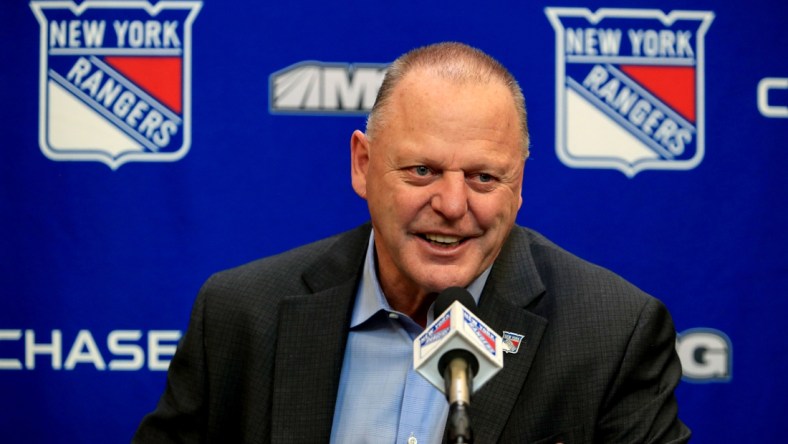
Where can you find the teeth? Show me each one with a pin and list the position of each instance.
(442, 239)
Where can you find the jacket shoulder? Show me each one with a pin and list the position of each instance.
(560, 269)
(322, 263)
(564, 286)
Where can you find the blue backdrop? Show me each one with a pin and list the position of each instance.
(146, 146)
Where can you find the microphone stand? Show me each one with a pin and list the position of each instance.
(457, 374)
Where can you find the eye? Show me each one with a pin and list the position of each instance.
(419, 175)
(483, 182)
(485, 178)
(421, 170)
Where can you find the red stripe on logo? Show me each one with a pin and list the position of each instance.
(674, 85)
(161, 77)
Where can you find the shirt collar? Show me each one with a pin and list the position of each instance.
(370, 299)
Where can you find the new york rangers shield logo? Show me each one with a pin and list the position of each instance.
(115, 80)
(511, 342)
(629, 88)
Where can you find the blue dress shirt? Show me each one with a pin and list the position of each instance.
(381, 398)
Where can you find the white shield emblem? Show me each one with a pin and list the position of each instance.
(115, 80)
(629, 88)
(511, 342)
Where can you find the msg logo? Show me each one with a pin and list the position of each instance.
(325, 88)
(706, 355)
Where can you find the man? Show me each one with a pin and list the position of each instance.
(314, 345)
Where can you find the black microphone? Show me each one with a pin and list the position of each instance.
(458, 354)
(458, 367)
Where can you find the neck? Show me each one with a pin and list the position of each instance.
(416, 305)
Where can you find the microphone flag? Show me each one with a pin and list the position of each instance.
(457, 328)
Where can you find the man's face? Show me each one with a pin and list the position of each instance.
(442, 179)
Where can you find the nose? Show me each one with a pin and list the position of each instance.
(451, 196)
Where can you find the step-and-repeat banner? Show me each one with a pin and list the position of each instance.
(148, 145)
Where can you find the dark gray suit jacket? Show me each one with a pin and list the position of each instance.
(261, 359)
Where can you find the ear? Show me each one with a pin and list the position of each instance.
(359, 162)
(520, 189)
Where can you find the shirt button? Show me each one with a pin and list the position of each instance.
(396, 316)
(412, 439)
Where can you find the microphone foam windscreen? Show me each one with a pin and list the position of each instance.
(451, 294)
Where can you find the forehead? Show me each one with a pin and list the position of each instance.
(423, 87)
(427, 109)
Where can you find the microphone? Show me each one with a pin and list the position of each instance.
(458, 354)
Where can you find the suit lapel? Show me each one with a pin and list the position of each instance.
(308, 362)
(312, 333)
(513, 285)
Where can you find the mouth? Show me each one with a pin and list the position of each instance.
(442, 240)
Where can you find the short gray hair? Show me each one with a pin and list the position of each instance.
(453, 61)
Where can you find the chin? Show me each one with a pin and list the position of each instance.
(437, 285)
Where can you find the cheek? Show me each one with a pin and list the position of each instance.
(407, 201)
(394, 205)
(494, 211)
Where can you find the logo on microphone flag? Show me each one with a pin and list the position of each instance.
(438, 330)
(115, 80)
(487, 337)
(630, 88)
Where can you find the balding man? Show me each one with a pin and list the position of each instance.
(315, 344)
